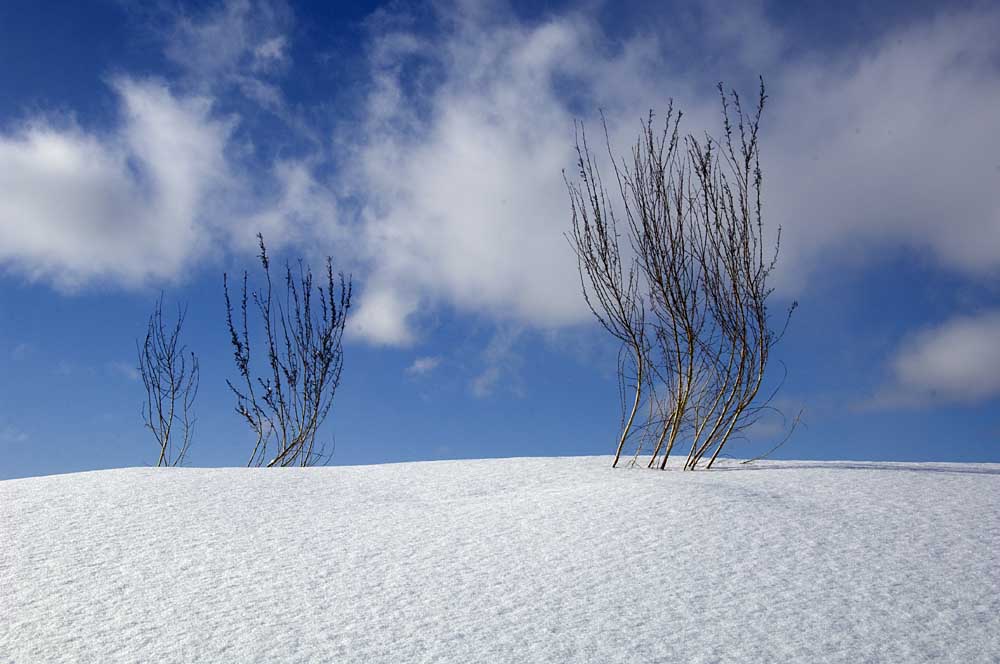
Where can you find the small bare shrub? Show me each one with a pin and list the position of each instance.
(169, 372)
(302, 334)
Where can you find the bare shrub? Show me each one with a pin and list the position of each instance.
(737, 268)
(302, 332)
(700, 267)
(170, 374)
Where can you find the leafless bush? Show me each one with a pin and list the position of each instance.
(302, 333)
(170, 375)
(737, 268)
(701, 269)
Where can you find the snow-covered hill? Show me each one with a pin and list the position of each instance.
(513, 560)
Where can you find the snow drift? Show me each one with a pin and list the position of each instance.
(513, 560)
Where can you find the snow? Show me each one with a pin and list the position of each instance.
(508, 560)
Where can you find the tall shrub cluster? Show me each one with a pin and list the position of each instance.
(687, 294)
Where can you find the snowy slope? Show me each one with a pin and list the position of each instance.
(515, 560)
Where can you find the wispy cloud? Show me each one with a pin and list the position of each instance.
(22, 351)
(10, 434)
(502, 364)
(423, 365)
(124, 369)
(230, 42)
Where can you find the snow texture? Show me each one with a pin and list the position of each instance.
(512, 560)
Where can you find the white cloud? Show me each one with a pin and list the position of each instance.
(301, 211)
(381, 316)
(890, 146)
(124, 206)
(423, 365)
(144, 202)
(461, 167)
(956, 361)
(455, 168)
(175, 180)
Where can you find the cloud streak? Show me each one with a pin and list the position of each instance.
(502, 364)
(957, 361)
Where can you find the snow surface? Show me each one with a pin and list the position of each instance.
(511, 560)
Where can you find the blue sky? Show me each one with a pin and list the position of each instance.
(421, 145)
